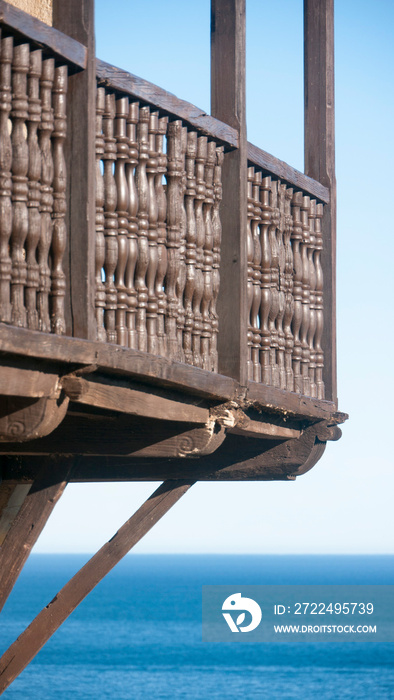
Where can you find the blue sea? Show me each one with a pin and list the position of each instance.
(138, 634)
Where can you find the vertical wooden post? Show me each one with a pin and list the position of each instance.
(228, 105)
(320, 156)
(76, 19)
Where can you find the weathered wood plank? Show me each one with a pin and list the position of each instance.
(105, 356)
(29, 522)
(15, 381)
(11, 499)
(76, 19)
(119, 80)
(247, 427)
(319, 126)
(134, 402)
(271, 165)
(62, 45)
(28, 644)
(26, 418)
(228, 104)
(289, 402)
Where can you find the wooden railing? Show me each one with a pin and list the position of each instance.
(33, 187)
(154, 268)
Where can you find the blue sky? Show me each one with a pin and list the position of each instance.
(344, 505)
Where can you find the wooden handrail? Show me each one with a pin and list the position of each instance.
(46, 37)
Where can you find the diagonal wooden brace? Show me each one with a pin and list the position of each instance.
(29, 643)
(28, 518)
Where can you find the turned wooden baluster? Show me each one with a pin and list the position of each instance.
(312, 300)
(201, 158)
(161, 237)
(305, 206)
(131, 163)
(20, 162)
(296, 238)
(34, 175)
(6, 52)
(100, 240)
(288, 286)
(281, 285)
(174, 225)
(143, 226)
(217, 240)
(59, 231)
(274, 309)
(208, 258)
(181, 272)
(250, 255)
(256, 266)
(122, 204)
(266, 293)
(319, 303)
(191, 152)
(151, 169)
(44, 138)
(110, 219)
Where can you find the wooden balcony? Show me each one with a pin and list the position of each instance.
(167, 290)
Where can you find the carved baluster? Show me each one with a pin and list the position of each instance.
(122, 193)
(312, 299)
(200, 238)
(266, 294)
(161, 237)
(59, 232)
(281, 286)
(151, 168)
(20, 162)
(100, 240)
(274, 310)
(44, 139)
(143, 227)
(5, 178)
(319, 303)
(208, 257)
(289, 301)
(174, 226)
(110, 219)
(256, 267)
(191, 152)
(296, 238)
(34, 175)
(181, 273)
(131, 163)
(217, 239)
(250, 255)
(305, 296)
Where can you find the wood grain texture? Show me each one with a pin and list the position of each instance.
(130, 84)
(28, 644)
(15, 381)
(134, 402)
(23, 419)
(228, 104)
(68, 48)
(76, 19)
(29, 522)
(319, 127)
(273, 166)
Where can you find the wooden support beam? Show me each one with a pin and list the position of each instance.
(29, 643)
(30, 518)
(228, 105)
(320, 156)
(132, 401)
(76, 19)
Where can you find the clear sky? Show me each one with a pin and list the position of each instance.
(345, 504)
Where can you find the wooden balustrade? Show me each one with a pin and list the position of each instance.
(285, 286)
(158, 232)
(33, 187)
